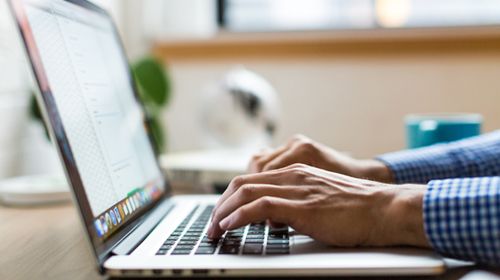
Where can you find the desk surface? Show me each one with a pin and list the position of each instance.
(48, 243)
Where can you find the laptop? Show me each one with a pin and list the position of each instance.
(134, 225)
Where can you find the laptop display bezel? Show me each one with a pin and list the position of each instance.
(52, 118)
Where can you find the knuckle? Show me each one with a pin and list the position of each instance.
(247, 190)
(266, 203)
(258, 164)
(238, 181)
(305, 147)
(299, 173)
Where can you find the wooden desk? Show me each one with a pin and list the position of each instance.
(48, 243)
(44, 243)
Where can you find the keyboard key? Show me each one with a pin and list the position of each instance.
(181, 252)
(165, 247)
(210, 245)
(196, 228)
(184, 247)
(187, 242)
(278, 236)
(252, 249)
(187, 238)
(277, 241)
(161, 252)
(231, 242)
(229, 250)
(208, 239)
(255, 236)
(254, 240)
(277, 246)
(205, 250)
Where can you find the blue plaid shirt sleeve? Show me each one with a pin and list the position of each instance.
(472, 157)
(462, 218)
(461, 215)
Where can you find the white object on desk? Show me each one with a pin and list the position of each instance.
(34, 190)
(197, 171)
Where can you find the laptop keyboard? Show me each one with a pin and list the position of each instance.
(254, 239)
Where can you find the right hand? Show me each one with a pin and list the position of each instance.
(300, 149)
(332, 208)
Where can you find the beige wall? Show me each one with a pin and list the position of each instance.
(355, 103)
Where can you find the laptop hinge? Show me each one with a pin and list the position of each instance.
(134, 239)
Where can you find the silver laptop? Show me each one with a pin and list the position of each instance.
(133, 224)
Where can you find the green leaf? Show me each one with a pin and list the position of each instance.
(153, 81)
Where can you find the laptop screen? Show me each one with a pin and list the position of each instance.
(85, 79)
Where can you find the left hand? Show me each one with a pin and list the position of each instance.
(332, 208)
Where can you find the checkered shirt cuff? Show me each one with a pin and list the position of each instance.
(472, 157)
(420, 165)
(462, 218)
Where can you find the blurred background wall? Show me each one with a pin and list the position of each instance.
(347, 83)
(352, 93)
(354, 102)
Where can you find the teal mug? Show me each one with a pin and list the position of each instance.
(428, 129)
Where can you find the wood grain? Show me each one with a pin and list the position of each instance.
(44, 243)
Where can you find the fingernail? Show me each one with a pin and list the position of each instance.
(224, 224)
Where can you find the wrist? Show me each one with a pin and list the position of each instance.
(375, 170)
(403, 218)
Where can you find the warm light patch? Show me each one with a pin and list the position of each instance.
(393, 13)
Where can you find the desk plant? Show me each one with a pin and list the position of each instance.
(154, 91)
(154, 88)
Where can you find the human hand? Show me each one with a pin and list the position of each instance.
(300, 149)
(329, 207)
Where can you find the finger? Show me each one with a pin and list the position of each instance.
(263, 152)
(275, 177)
(278, 210)
(258, 161)
(285, 159)
(247, 194)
